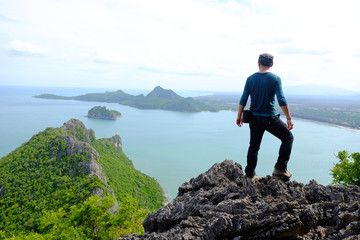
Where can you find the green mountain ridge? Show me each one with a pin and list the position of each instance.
(59, 172)
(158, 98)
(341, 110)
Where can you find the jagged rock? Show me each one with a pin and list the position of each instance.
(77, 129)
(79, 142)
(115, 140)
(219, 204)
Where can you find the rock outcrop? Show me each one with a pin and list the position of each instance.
(219, 204)
(79, 141)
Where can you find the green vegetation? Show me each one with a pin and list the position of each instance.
(33, 180)
(347, 171)
(45, 191)
(159, 98)
(87, 220)
(103, 113)
(125, 180)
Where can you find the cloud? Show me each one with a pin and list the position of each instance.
(103, 56)
(295, 50)
(18, 47)
(6, 19)
(206, 39)
(174, 73)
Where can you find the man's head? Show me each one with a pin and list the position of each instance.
(266, 59)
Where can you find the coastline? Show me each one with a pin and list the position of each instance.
(327, 123)
(74, 91)
(314, 121)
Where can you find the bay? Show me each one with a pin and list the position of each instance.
(172, 147)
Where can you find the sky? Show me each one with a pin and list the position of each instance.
(210, 45)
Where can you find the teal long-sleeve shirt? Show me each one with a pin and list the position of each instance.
(262, 88)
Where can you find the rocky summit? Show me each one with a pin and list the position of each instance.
(219, 204)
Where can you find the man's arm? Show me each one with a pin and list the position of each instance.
(239, 121)
(289, 121)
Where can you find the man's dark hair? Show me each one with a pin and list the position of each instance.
(266, 59)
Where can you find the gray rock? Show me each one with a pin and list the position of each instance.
(115, 140)
(79, 141)
(77, 129)
(219, 204)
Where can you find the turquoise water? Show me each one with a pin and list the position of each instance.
(170, 146)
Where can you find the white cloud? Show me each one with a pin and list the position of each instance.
(21, 47)
(207, 39)
(108, 56)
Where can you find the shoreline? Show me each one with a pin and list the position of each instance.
(329, 124)
(356, 129)
(314, 121)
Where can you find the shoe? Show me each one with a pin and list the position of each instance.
(282, 174)
(252, 179)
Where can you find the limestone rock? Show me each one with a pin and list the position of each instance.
(77, 129)
(79, 141)
(115, 140)
(219, 204)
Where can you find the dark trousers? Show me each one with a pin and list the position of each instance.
(276, 127)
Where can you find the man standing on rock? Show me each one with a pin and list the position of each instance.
(262, 87)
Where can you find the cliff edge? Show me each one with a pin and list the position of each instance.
(219, 204)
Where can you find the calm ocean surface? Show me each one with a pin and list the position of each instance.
(170, 146)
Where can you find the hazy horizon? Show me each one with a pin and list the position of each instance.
(300, 90)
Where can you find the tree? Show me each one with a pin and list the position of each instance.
(46, 194)
(92, 220)
(347, 171)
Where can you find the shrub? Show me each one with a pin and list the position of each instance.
(347, 171)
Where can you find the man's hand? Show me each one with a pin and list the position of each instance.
(290, 124)
(239, 121)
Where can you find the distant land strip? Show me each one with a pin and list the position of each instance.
(344, 112)
(159, 98)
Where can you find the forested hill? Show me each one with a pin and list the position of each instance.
(65, 184)
(159, 98)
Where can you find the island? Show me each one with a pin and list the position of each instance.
(336, 110)
(159, 98)
(103, 113)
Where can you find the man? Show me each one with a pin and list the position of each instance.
(262, 87)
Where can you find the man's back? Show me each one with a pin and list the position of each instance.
(262, 88)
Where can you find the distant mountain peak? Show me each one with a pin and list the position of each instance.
(163, 93)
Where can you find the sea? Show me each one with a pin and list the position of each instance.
(173, 147)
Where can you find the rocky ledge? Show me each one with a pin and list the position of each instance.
(219, 204)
